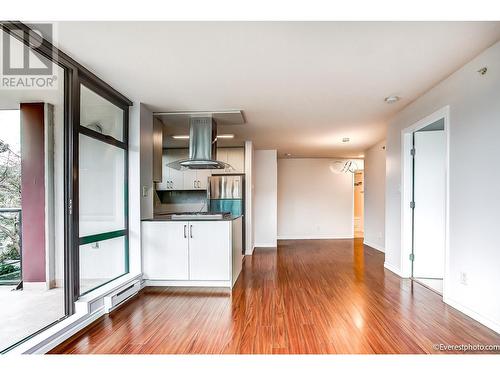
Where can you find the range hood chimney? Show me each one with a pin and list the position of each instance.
(202, 146)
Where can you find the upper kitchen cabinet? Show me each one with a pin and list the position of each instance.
(172, 178)
(234, 156)
(196, 179)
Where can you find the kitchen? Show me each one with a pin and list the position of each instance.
(196, 235)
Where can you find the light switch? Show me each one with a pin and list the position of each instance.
(144, 191)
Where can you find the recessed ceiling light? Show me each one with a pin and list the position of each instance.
(392, 99)
(345, 140)
(180, 136)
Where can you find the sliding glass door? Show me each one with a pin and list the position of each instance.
(63, 191)
(102, 189)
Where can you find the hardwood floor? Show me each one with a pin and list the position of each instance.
(314, 296)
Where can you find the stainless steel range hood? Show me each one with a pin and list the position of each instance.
(202, 146)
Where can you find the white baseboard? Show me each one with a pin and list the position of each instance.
(190, 283)
(495, 326)
(316, 237)
(374, 246)
(250, 252)
(265, 244)
(394, 269)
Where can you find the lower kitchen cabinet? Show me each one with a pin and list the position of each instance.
(165, 250)
(209, 250)
(192, 253)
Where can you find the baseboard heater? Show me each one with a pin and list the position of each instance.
(115, 299)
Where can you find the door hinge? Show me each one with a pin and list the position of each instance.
(412, 204)
(412, 257)
(412, 152)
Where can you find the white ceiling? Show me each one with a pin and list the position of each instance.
(303, 86)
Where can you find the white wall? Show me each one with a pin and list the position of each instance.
(249, 194)
(313, 201)
(139, 118)
(374, 190)
(474, 184)
(265, 198)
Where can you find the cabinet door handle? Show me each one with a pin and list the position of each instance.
(191, 231)
(185, 236)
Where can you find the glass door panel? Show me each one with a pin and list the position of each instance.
(102, 181)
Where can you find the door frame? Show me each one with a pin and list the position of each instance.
(407, 191)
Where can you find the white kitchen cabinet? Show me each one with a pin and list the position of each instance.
(192, 253)
(165, 250)
(209, 250)
(202, 178)
(234, 156)
(176, 177)
(165, 182)
(189, 180)
(196, 179)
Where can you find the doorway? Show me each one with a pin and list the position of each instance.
(359, 204)
(424, 200)
(429, 145)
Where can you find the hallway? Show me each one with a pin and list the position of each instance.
(308, 296)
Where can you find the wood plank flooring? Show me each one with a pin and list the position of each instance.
(314, 296)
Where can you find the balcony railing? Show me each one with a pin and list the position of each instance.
(10, 246)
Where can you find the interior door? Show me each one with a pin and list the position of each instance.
(429, 197)
(209, 250)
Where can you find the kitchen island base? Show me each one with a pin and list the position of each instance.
(200, 253)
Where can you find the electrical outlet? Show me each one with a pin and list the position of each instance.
(463, 278)
(144, 191)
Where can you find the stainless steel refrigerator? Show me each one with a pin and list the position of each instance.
(226, 193)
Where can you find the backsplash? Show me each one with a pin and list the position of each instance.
(180, 201)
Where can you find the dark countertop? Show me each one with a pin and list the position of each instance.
(168, 217)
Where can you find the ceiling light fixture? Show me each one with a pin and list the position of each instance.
(345, 140)
(288, 154)
(392, 99)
